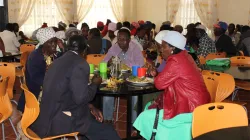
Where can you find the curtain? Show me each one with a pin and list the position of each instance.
(207, 11)
(20, 10)
(43, 11)
(81, 7)
(65, 9)
(186, 14)
(172, 8)
(249, 18)
(100, 11)
(117, 7)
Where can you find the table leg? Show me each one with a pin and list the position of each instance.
(139, 104)
(129, 114)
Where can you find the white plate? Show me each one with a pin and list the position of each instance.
(149, 81)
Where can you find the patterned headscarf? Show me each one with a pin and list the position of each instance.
(45, 34)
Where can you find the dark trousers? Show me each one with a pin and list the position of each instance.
(100, 131)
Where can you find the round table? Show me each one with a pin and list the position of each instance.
(8, 58)
(241, 72)
(234, 133)
(128, 91)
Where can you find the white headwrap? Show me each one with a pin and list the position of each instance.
(112, 26)
(160, 35)
(176, 39)
(45, 34)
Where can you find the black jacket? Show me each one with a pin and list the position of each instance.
(65, 88)
(225, 44)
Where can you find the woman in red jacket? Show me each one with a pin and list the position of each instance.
(182, 82)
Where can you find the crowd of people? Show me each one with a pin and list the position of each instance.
(63, 85)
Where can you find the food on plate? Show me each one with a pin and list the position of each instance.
(125, 67)
(112, 82)
(135, 79)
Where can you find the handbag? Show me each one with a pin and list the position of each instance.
(155, 124)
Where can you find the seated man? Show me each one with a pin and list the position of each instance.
(223, 42)
(129, 54)
(64, 106)
(97, 45)
(128, 51)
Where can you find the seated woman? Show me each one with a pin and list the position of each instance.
(183, 87)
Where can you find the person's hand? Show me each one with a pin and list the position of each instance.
(97, 79)
(96, 112)
(153, 72)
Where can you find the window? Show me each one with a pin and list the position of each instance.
(44, 11)
(186, 14)
(101, 11)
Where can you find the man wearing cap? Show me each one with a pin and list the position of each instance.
(38, 61)
(111, 29)
(223, 42)
(206, 44)
(100, 26)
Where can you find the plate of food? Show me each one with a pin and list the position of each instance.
(140, 81)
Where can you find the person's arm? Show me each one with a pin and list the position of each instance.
(82, 92)
(15, 41)
(110, 53)
(138, 57)
(169, 74)
(36, 70)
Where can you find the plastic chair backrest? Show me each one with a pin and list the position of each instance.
(214, 116)
(24, 58)
(211, 85)
(241, 60)
(225, 84)
(202, 59)
(95, 59)
(216, 55)
(6, 107)
(31, 112)
(27, 48)
(8, 70)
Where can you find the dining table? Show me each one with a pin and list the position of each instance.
(128, 90)
(10, 58)
(233, 133)
(239, 72)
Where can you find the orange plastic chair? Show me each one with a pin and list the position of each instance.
(240, 60)
(211, 85)
(31, 113)
(95, 59)
(225, 84)
(202, 59)
(9, 70)
(214, 116)
(6, 107)
(27, 48)
(216, 55)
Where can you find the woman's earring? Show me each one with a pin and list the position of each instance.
(172, 52)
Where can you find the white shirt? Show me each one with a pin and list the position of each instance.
(10, 41)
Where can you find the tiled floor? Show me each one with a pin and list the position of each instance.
(120, 125)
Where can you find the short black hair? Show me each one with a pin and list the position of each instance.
(15, 24)
(84, 25)
(125, 31)
(165, 27)
(118, 25)
(126, 24)
(72, 25)
(77, 43)
(244, 28)
(9, 27)
(95, 32)
(153, 26)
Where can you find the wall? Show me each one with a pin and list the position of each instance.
(152, 10)
(3, 15)
(234, 11)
